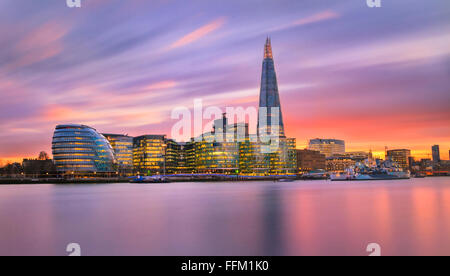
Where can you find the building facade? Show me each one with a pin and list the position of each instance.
(270, 114)
(37, 168)
(310, 160)
(329, 147)
(399, 156)
(436, 153)
(149, 154)
(339, 164)
(81, 150)
(123, 152)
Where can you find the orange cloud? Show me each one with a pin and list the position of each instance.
(58, 113)
(199, 33)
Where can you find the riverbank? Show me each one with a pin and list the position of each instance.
(172, 178)
(61, 181)
(27, 181)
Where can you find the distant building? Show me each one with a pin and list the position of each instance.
(426, 164)
(310, 160)
(413, 165)
(329, 147)
(400, 157)
(38, 168)
(436, 153)
(175, 157)
(219, 150)
(339, 163)
(123, 152)
(357, 155)
(12, 170)
(80, 150)
(148, 154)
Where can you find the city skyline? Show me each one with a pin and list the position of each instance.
(387, 86)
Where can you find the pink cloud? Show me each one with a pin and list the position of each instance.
(199, 33)
(57, 113)
(41, 44)
(322, 16)
(162, 85)
(318, 17)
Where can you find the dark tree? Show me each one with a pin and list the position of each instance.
(43, 156)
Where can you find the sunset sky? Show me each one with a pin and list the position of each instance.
(373, 77)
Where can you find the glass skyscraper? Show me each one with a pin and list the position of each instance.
(149, 154)
(123, 152)
(80, 149)
(269, 98)
(436, 153)
(329, 147)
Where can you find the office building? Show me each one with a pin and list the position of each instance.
(329, 147)
(339, 164)
(310, 160)
(81, 150)
(123, 152)
(149, 154)
(436, 153)
(399, 157)
(38, 168)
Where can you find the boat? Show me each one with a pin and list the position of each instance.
(420, 175)
(286, 180)
(150, 179)
(361, 171)
(379, 175)
(317, 174)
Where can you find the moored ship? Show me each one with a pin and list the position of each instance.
(385, 175)
(362, 171)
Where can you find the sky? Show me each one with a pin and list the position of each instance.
(373, 77)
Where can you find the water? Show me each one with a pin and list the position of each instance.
(406, 217)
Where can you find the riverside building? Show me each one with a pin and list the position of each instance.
(123, 152)
(80, 150)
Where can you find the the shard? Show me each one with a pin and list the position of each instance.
(269, 98)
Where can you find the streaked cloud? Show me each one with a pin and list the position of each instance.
(397, 50)
(199, 33)
(374, 77)
(315, 18)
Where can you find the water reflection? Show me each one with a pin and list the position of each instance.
(304, 218)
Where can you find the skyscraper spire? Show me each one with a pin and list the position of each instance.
(268, 49)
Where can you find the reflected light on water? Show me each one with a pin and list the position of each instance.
(410, 217)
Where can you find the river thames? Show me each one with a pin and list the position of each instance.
(405, 217)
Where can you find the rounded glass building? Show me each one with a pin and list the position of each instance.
(81, 149)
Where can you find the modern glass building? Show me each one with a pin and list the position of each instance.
(123, 152)
(399, 156)
(436, 153)
(269, 97)
(242, 154)
(329, 147)
(80, 149)
(155, 154)
(175, 159)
